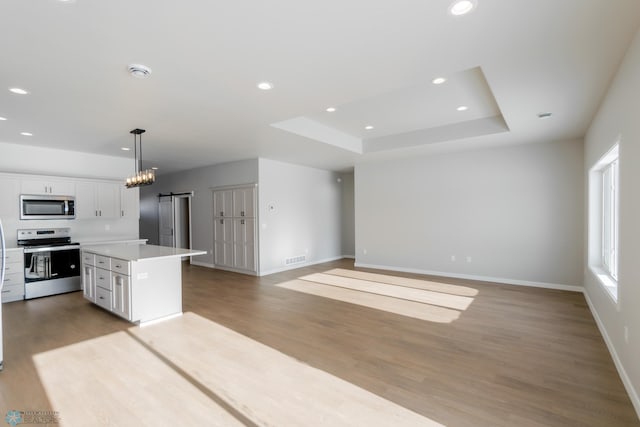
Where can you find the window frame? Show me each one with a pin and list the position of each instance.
(604, 220)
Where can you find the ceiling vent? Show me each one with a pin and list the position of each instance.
(138, 70)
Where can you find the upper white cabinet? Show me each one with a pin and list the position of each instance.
(48, 186)
(223, 203)
(9, 197)
(129, 202)
(244, 202)
(97, 200)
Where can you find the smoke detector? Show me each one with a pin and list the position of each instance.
(138, 70)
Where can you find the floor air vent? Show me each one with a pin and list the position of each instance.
(295, 259)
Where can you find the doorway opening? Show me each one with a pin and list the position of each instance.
(174, 211)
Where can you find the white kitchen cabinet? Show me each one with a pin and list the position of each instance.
(97, 200)
(129, 202)
(9, 198)
(89, 282)
(121, 295)
(234, 235)
(223, 203)
(105, 282)
(13, 289)
(243, 245)
(244, 202)
(48, 186)
(223, 242)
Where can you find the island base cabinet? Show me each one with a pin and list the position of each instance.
(156, 289)
(89, 282)
(121, 296)
(103, 298)
(140, 291)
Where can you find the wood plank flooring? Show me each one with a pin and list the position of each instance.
(515, 356)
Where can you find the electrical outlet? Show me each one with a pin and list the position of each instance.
(107, 227)
(626, 334)
(468, 259)
(453, 258)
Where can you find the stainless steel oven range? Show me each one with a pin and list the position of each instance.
(51, 262)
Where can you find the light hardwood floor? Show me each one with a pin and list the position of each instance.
(513, 356)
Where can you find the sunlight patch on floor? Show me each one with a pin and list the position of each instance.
(402, 307)
(114, 380)
(419, 299)
(391, 290)
(192, 371)
(445, 288)
(267, 386)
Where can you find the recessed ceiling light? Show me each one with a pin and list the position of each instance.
(138, 70)
(18, 91)
(26, 133)
(125, 148)
(2, 119)
(265, 86)
(438, 80)
(544, 115)
(462, 7)
(331, 109)
(155, 168)
(368, 127)
(462, 108)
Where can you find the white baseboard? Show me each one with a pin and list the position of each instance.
(561, 287)
(628, 385)
(302, 264)
(349, 256)
(203, 264)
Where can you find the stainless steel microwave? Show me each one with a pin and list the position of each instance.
(47, 207)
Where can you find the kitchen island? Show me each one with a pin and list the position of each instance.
(141, 283)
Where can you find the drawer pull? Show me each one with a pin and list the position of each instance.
(118, 266)
(101, 297)
(5, 292)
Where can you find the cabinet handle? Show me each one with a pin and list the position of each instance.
(241, 213)
(6, 292)
(221, 213)
(121, 213)
(96, 212)
(222, 221)
(242, 221)
(101, 213)
(101, 297)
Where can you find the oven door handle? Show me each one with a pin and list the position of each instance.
(50, 249)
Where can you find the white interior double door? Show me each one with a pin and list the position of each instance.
(235, 228)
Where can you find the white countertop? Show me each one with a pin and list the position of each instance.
(141, 252)
(87, 242)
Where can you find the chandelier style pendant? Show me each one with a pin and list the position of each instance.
(140, 177)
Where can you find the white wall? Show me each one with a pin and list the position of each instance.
(618, 117)
(516, 211)
(49, 161)
(200, 181)
(307, 215)
(348, 226)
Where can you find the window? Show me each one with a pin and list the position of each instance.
(609, 219)
(603, 220)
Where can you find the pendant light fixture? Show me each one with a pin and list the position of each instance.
(140, 177)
